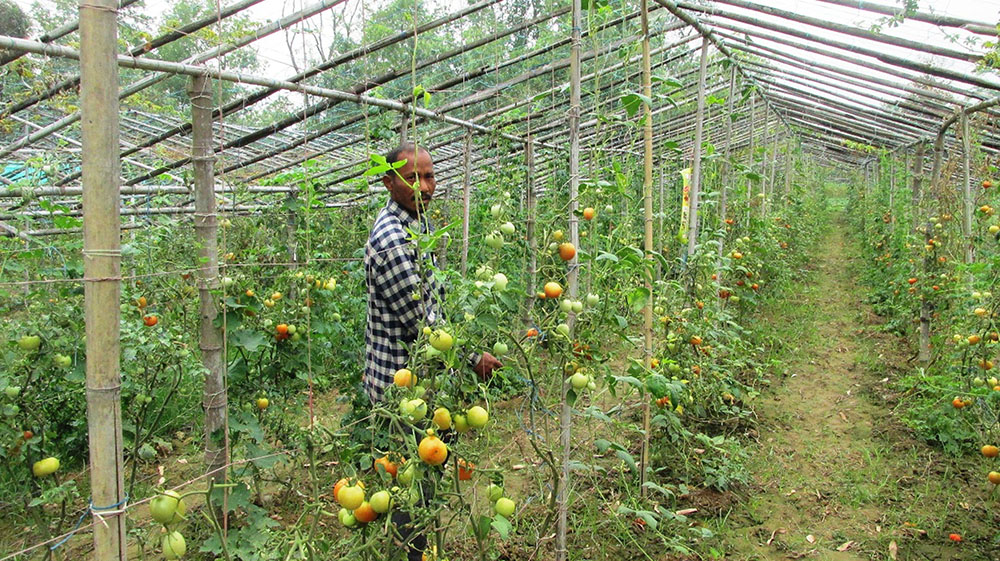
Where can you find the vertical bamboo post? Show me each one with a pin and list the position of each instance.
(923, 344)
(530, 202)
(661, 243)
(967, 190)
(917, 176)
(102, 268)
(466, 188)
(774, 165)
(565, 414)
(214, 396)
(291, 239)
(647, 195)
(788, 170)
(753, 126)
(699, 131)
(727, 169)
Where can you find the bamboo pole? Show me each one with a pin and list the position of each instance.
(146, 47)
(967, 201)
(696, 156)
(466, 196)
(102, 270)
(565, 415)
(530, 204)
(908, 63)
(870, 79)
(774, 170)
(979, 28)
(907, 75)
(753, 127)
(827, 24)
(152, 80)
(727, 169)
(647, 195)
(214, 396)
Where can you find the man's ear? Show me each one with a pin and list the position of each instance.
(387, 181)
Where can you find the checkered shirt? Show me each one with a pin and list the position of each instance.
(394, 273)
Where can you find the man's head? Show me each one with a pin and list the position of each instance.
(402, 182)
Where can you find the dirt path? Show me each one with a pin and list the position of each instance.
(836, 477)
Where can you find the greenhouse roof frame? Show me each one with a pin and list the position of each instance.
(892, 108)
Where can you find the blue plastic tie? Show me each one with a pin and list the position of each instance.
(90, 510)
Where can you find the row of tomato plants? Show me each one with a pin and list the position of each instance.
(915, 266)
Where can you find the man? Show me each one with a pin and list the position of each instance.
(402, 294)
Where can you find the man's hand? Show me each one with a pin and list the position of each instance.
(486, 365)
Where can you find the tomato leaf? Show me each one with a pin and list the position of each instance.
(627, 458)
(630, 380)
(248, 340)
(637, 298)
(502, 526)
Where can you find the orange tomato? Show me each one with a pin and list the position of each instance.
(567, 251)
(553, 290)
(387, 465)
(282, 329)
(365, 513)
(432, 451)
(464, 470)
(150, 321)
(588, 213)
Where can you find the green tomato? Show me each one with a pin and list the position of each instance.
(337, 316)
(418, 410)
(46, 467)
(495, 492)
(593, 300)
(579, 380)
(351, 497)
(174, 546)
(577, 306)
(566, 305)
(507, 228)
(500, 348)
(441, 340)
(477, 417)
(167, 508)
(494, 240)
(460, 423)
(347, 518)
(62, 361)
(12, 391)
(380, 501)
(563, 329)
(505, 507)
(405, 477)
(500, 281)
(29, 343)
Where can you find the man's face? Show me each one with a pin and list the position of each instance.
(402, 184)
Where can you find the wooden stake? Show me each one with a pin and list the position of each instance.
(647, 195)
(530, 203)
(565, 415)
(699, 131)
(214, 395)
(102, 269)
(727, 169)
(967, 190)
(466, 191)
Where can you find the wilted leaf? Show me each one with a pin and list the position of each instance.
(893, 550)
